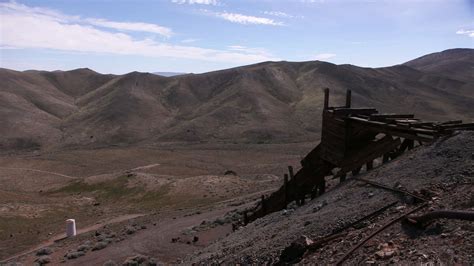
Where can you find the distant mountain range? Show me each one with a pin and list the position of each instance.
(169, 74)
(265, 102)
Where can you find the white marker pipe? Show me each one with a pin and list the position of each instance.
(70, 227)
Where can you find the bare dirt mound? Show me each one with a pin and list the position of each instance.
(442, 172)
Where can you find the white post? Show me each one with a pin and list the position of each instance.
(70, 227)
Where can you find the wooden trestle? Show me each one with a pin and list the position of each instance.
(350, 139)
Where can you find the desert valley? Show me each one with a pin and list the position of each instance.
(161, 169)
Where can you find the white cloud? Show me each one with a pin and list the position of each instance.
(278, 14)
(189, 40)
(25, 27)
(469, 33)
(324, 56)
(249, 50)
(199, 2)
(131, 26)
(244, 19)
(16, 8)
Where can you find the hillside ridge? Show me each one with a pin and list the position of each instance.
(268, 102)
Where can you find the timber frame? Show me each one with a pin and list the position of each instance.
(350, 139)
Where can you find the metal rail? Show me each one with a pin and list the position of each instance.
(341, 260)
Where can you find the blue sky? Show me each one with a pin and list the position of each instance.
(204, 35)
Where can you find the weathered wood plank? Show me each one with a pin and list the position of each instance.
(451, 122)
(458, 126)
(380, 127)
(370, 153)
(385, 116)
(354, 111)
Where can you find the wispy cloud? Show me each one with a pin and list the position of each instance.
(199, 2)
(278, 14)
(189, 40)
(313, 1)
(35, 12)
(324, 56)
(249, 50)
(131, 26)
(25, 27)
(469, 33)
(245, 19)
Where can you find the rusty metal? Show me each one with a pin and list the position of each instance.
(341, 260)
(318, 243)
(368, 216)
(376, 184)
(422, 221)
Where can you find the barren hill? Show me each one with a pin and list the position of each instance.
(453, 63)
(265, 102)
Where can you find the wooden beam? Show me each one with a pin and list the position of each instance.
(290, 171)
(326, 98)
(354, 111)
(372, 151)
(322, 187)
(342, 177)
(451, 122)
(409, 133)
(356, 171)
(407, 121)
(348, 98)
(370, 165)
(285, 188)
(377, 117)
(264, 207)
(457, 126)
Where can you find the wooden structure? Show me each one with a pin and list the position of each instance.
(350, 139)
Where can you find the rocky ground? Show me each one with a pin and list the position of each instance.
(202, 233)
(443, 173)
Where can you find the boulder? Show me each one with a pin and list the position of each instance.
(43, 260)
(294, 253)
(44, 251)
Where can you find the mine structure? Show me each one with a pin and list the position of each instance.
(350, 139)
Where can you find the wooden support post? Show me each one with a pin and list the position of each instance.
(285, 188)
(343, 177)
(290, 171)
(411, 144)
(322, 187)
(314, 192)
(348, 98)
(292, 187)
(370, 165)
(264, 208)
(326, 98)
(356, 171)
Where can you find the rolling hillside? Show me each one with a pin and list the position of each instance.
(265, 102)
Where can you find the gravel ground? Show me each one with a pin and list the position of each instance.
(442, 172)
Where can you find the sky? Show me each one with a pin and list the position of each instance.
(198, 36)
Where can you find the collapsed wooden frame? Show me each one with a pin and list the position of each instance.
(350, 139)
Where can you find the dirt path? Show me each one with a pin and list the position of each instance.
(58, 237)
(156, 241)
(145, 167)
(39, 171)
